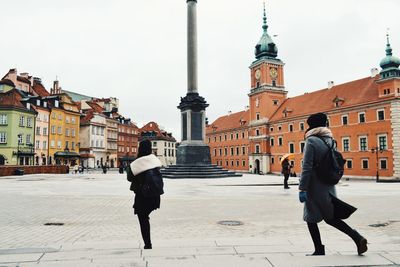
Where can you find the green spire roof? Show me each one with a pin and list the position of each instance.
(266, 48)
(390, 61)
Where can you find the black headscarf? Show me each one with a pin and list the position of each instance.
(317, 120)
(144, 148)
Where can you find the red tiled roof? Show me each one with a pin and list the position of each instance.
(88, 116)
(153, 127)
(40, 90)
(231, 121)
(351, 94)
(23, 79)
(96, 107)
(11, 99)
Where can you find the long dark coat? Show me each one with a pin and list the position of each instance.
(142, 204)
(319, 205)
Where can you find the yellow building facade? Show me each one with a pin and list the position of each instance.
(64, 131)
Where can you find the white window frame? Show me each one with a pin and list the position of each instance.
(347, 119)
(59, 144)
(377, 114)
(257, 149)
(359, 142)
(348, 139)
(271, 141)
(347, 166)
(301, 126)
(3, 137)
(380, 163)
(362, 165)
(280, 141)
(378, 142)
(22, 120)
(304, 145)
(3, 119)
(365, 117)
(291, 144)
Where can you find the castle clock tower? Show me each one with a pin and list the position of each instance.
(266, 95)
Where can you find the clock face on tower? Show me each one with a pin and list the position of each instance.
(273, 72)
(257, 74)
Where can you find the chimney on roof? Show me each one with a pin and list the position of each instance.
(374, 72)
(331, 84)
(37, 80)
(56, 88)
(24, 74)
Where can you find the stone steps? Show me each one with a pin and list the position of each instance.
(198, 172)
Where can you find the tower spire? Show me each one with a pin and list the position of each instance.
(388, 47)
(265, 26)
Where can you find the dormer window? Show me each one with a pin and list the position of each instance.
(56, 103)
(38, 102)
(337, 101)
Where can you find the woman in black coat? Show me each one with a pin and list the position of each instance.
(145, 163)
(320, 202)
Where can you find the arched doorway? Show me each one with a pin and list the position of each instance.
(2, 160)
(257, 166)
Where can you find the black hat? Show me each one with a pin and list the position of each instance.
(317, 120)
(144, 148)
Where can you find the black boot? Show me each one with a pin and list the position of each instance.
(319, 251)
(361, 242)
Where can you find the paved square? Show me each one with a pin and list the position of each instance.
(98, 227)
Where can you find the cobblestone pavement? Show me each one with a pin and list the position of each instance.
(99, 227)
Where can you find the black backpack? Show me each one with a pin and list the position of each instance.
(153, 184)
(331, 167)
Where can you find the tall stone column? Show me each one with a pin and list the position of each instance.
(192, 150)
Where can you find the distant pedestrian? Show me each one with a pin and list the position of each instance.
(319, 198)
(146, 181)
(286, 172)
(104, 167)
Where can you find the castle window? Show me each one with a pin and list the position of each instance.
(226, 151)
(291, 147)
(290, 127)
(272, 160)
(363, 143)
(257, 116)
(279, 128)
(274, 83)
(271, 129)
(275, 102)
(237, 136)
(244, 163)
(382, 142)
(258, 84)
(232, 151)
(257, 149)
(381, 115)
(345, 119)
(257, 132)
(302, 145)
(349, 163)
(271, 141)
(383, 164)
(364, 164)
(301, 126)
(280, 141)
(243, 150)
(237, 150)
(361, 117)
(346, 144)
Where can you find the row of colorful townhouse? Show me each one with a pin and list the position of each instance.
(41, 127)
(38, 127)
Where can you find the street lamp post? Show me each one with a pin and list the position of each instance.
(377, 150)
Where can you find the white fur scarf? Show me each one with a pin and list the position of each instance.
(319, 131)
(145, 163)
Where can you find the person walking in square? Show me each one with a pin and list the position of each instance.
(319, 198)
(286, 172)
(146, 166)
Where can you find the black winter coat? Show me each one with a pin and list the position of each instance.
(142, 204)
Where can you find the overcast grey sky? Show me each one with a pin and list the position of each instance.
(135, 50)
